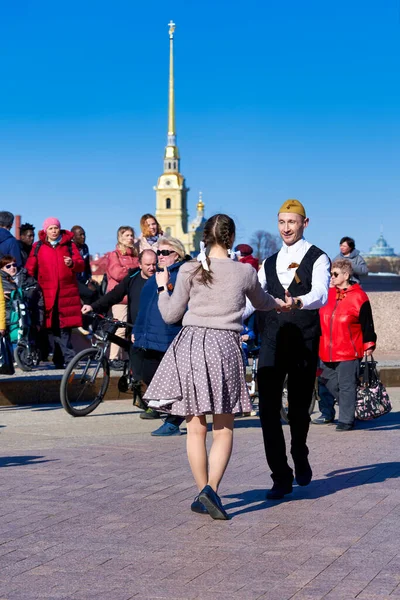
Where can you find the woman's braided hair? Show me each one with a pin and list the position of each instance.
(219, 229)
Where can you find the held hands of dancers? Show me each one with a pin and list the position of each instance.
(288, 304)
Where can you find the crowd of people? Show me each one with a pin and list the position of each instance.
(191, 320)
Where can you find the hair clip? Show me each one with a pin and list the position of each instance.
(202, 257)
(234, 255)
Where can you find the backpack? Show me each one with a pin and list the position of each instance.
(104, 281)
(19, 316)
(40, 244)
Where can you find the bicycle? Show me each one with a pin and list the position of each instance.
(87, 376)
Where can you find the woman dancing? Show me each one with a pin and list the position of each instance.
(203, 370)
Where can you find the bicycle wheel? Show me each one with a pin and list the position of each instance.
(285, 405)
(85, 382)
(23, 358)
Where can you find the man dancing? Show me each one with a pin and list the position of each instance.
(299, 273)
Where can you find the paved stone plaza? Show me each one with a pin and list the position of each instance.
(95, 508)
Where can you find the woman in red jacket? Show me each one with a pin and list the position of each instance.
(53, 261)
(347, 333)
(120, 260)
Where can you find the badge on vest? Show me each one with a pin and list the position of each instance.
(294, 265)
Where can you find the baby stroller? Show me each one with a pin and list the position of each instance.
(22, 335)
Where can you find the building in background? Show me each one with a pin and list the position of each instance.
(382, 258)
(171, 190)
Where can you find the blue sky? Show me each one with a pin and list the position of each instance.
(274, 100)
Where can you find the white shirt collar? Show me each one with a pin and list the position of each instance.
(299, 245)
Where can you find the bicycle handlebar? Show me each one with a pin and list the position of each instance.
(93, 315)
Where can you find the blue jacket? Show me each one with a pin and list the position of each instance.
(9, 245)
(150, 331)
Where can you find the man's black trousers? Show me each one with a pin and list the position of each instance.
(298, 361)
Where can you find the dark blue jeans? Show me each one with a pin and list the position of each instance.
(326, 400)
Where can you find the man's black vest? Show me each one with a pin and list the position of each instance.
(303, 322)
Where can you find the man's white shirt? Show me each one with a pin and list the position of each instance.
(287, 255)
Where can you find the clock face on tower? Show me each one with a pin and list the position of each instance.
(168, 182)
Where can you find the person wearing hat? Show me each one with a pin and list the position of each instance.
(299, 273)
(54, 262)
(246, 255)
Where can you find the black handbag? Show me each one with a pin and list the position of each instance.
(6, 356)
(372, 398)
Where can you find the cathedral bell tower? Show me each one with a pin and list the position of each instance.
(171, 190)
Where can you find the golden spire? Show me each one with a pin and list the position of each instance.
(171, 151)
(171, 94)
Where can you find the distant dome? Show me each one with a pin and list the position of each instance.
(197, 225)
(381, 248)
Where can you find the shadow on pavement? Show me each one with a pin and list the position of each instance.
(33, 407)
(116, 414)
(247, 422)
(386, 422)
(19, 461)
(340, 479)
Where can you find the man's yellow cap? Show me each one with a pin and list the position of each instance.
(293, 206)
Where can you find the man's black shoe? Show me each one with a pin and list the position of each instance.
(279, 490)
(344, 426)
(303, 472)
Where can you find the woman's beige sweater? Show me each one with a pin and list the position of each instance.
(220, 305)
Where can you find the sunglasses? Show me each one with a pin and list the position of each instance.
(335, 274)
(165, 252)
(10, 266)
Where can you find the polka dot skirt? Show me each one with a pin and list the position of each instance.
(202, 372)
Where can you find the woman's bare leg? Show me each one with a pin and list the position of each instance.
(196, 448)
(221, 448)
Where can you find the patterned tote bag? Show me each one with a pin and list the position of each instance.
(372, 398)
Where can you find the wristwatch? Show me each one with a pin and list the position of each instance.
(160, 289)
(297, 303)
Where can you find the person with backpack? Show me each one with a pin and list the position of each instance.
(54, 262)
(19, 286)
(120, 260)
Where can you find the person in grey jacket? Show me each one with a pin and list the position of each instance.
(348, 250)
